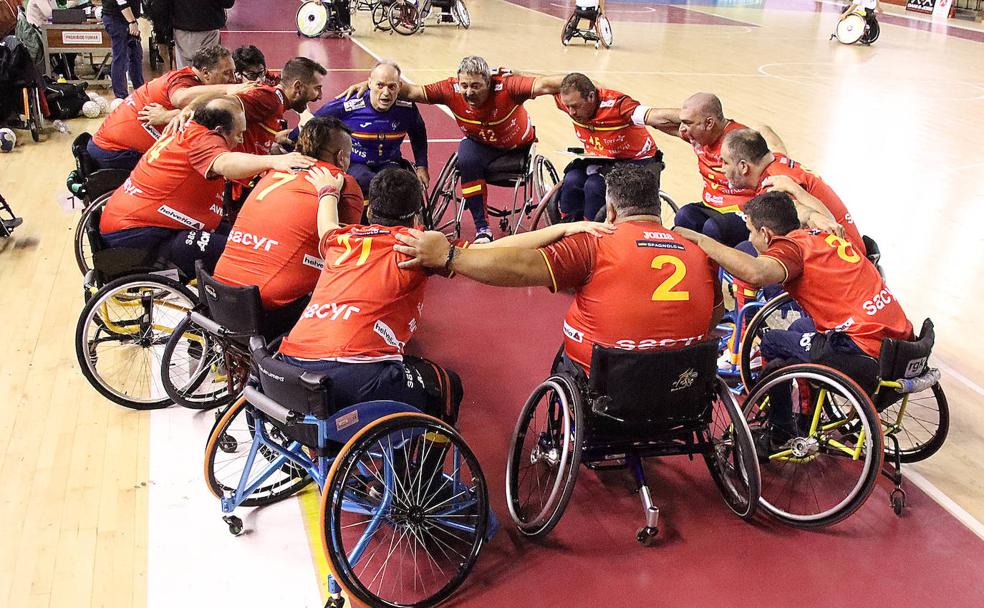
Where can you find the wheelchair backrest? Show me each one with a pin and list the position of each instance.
(654, 387)
(83, 162)
(906, 359)
(874, 253)
(237, 309)
(294, 388)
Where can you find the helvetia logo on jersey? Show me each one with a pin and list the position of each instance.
(313, 262)
(573, 334)
(388, 335)
(179, 217)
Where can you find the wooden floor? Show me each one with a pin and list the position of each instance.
(895, 128)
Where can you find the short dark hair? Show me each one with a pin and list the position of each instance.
(301, 68)
(575, 81)
(213, 116)
(248, 56)
(394, 197)
(633, 190)
(746, 144)
(206, 58)
(319, 133)
(773, 210)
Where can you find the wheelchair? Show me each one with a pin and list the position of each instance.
(635, 405)
(206, 359)
(404, 509)
(320, 19)
(599, 28)
(8, 220)
(547, 212)
(857, 27)
(531, 176)
(909, 401)
(134, 302)
(407, 17)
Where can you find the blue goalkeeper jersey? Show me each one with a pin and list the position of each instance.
(377, 136)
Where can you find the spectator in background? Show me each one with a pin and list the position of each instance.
(196, 24)
(120, 19)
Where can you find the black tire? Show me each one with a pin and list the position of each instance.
(83, 249)
(228, 445)
(667, 210)
(188, 369)
(826, 473)
(548, 211)
(568, 30)
(777, 313)
(545, 177)
(871, 33)
(34, 114)
(461, 14)
(447, 520)
(380, 17)
(923, 427)
(138, 314)
(404, 18)
(733, 464)
(443, 211)
(557, 445)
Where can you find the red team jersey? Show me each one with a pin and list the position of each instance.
(812, 183)
(274, 242)
(501, 122)
(718, 195)
(364, 307)
(668, 305)
(617, 129)
(172, 185)
(122, 130)
(839, 288)
(264, 107)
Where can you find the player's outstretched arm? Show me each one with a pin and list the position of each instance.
(408, 92)
(666, 120)
(238, 165)
(754, 271)
(329, 188)
(776, 144)
(547, 236)
(505, 267)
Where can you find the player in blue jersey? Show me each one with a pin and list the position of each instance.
(379, 123)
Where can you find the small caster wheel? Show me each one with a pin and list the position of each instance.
(565, 41)
(227, 443)
(647, 536)
(235, 524)
(335, 602)
(597, 45)
(897, 499)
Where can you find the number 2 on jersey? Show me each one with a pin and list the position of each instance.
(664, 292)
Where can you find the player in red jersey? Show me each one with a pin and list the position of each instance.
(609, 124)
(641, 287)
(843, 293)
(172, 202)
(274, 242)
(133, 127)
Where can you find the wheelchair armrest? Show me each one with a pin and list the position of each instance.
(257, 343)
(205, 323)
(269, 406)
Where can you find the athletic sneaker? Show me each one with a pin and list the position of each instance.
(483, 235)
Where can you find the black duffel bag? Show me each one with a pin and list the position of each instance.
(65, 100)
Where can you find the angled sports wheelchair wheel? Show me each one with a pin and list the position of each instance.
(827, 469)
(444, 206)
(461, 14)
(732, 462)
(544, 455)
(380, 16)
(227, 455)
(778, 313)
(83, 249)
(404, 18)
(871, 33)
(568, 30)
(603, 29)
(405, 512)
(121, 334)
(667, 210)
(919, 422)
(548, 211)
(194, 370)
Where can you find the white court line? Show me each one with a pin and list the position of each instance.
(958, 512)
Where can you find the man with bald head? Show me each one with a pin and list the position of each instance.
(703, 125)
(379, 123)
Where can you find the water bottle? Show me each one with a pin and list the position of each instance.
(61, 127)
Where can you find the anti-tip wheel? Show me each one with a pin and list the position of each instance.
(897, 499)
(335, 602)
(235, 524)
(647, 536)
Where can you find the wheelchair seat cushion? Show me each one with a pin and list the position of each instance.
(655, 389)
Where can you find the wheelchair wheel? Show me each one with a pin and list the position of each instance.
(733, 464)
(443, 211)
(548, 211)
(667, 210)
(405, 512)
(121, 333)
(83, 249)
(227, 453)
(778, 313)
(603, 28)
(33, 99)
(380, 16)
(871, 33)
(827, 470)
(194, 372)
(461, 14)
(569, 27)
(545, 177)
(921, 428)
(404, 17)
(311, 19)
(544, 455)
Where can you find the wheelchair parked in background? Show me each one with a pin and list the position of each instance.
(319, 19)
(407, 17)
(599, 28)
(530, 175)
(634, 405)
(857, 27)
(404, 509)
